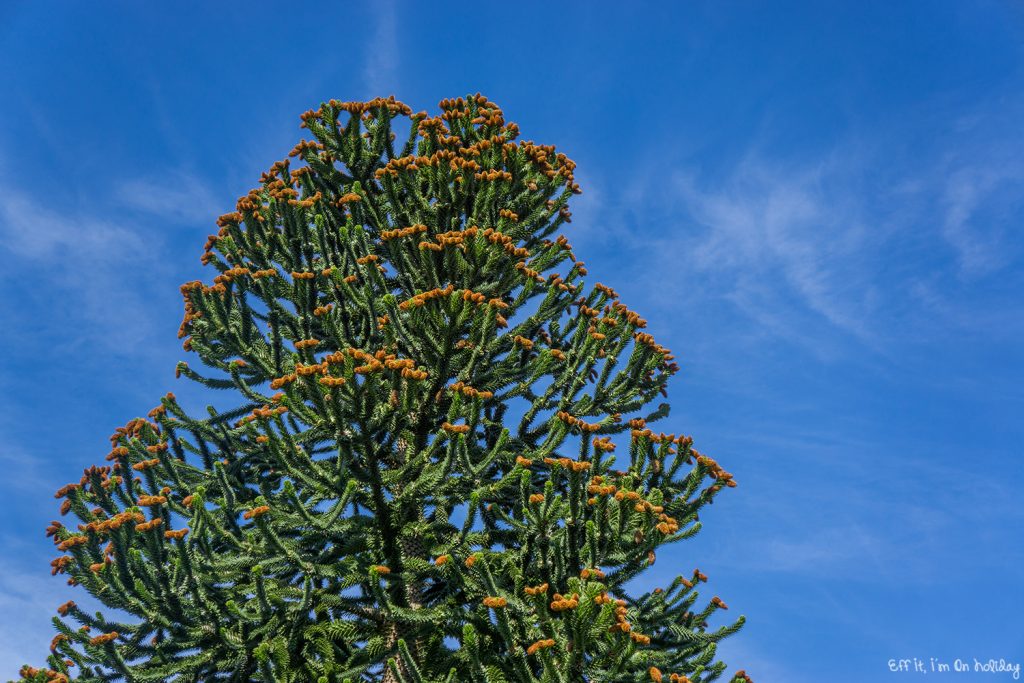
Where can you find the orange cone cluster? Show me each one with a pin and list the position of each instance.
(114, 523)
(656, 676)
(348, 198)
(561, 603)
(523, 341)
(72, 541)
(378, 361)
(251, 204)
(542, 589)
(631, 317)
(454, 429)
(279, 382)
(556, 281)
(256, 512)
(422, 299)
(529, 272)
(266, 272)
(716, 472)
(51, 675)
(59, 565)
(621, 624)
(411, 231)
(648, 341)
(639, 432)
(66, 489)
(151, 524)
(230, 274)
(577, 422)
(540, 645)
(105, 638)
(488, 117)
(132, 429)
(264, 413)
(452, 238)
(394, 166)
(507, 243)
(466, 390)
(598, 487)
(303, 146)
(57, 639)
(569, 464)
(307, 203)
(359, 108)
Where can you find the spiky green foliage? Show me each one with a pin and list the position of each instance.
(431, 493)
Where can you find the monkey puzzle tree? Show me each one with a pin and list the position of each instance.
(416, 479)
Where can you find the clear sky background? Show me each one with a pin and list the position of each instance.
(817, 206)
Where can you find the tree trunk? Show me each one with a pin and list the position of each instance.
(410, 546)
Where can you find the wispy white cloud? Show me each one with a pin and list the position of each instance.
(976, 200)
(35, 232)
(901, 515)
(33, 595)
(382, 57)
(74, 272)
(787, 246)
(847, 246)
(177, 197)
(820, 550)
(28, 591)
(774, 236)
(25, 473)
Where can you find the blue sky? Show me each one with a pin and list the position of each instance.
(817, 206)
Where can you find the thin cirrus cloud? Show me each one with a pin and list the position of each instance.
(177, 197)
(778, 244)
(34, 595)
(95, 272)
(906, 519)
(81, 266)
(982, 242)
(851, 245)
(776, 239)
(34, 232)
